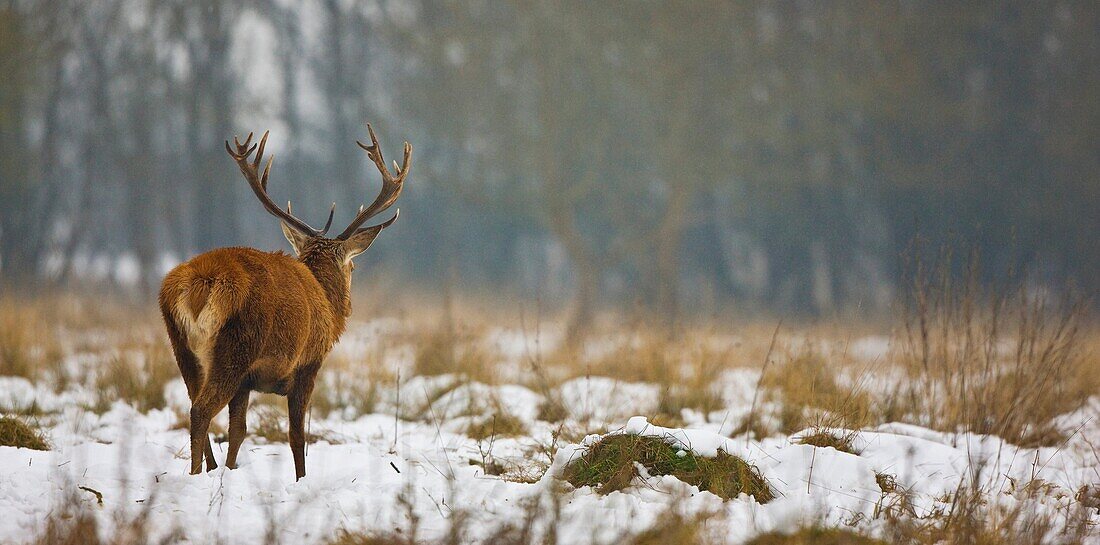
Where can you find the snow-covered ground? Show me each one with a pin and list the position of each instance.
(375, 472)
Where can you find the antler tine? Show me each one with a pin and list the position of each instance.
(260, 152)
(331, 212)
(391, 185)
(258, 182)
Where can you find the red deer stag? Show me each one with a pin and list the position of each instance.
(241, 319)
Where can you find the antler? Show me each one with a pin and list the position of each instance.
(391, 185)
(258, 183)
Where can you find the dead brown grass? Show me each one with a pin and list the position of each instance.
(973, 519)
(29, 345)
(673, 527)
(18, 432)
(815, 536)
(1003, 361)
(831, 439)
(345, 537)
(345, 385)
(805, 389)
(497, 424)
(449, 349)
(72, 524)
(137, 373)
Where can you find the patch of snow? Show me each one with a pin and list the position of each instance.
(605, 399)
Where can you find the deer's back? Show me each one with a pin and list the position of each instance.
(269, 298)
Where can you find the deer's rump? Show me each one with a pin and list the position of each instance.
(265, 289)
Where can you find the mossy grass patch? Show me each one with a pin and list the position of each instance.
(15, 432)
(609, 465)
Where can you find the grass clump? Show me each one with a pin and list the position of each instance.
(822, 439)
(444, 351)
(887, 483)
(815, 536)
(807, 384)
(1001, 360)
(673, 527)
(138, 376)
(28, 342)
(972, 518)
(609, 465)
(269, 421)
(552, 410)
(499, 424)
(350, 389)
(14, 432)
(345, 537)
(803, 391)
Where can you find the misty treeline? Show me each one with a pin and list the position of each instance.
(669, 156)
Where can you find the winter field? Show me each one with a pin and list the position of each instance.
(469, 429)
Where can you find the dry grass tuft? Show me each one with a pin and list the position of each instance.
(803, 391)
(1088, 495)
(887, 483)
(834, 439)
(609, 464)
(28, 339)
(552, 410)
(695, 388)
(351, 389)
(445, 350)
(79, 529)
(808, 383)
(136, 374)
(498, 424)
(268, 420)
(686, 368)
(15, 432)
(972, 518)
(73, 524)
(673, 527)
(345, 537)
(1002, 361)
(815, 536)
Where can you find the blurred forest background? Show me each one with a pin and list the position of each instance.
(665, 155)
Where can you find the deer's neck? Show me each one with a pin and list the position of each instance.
(335, 285)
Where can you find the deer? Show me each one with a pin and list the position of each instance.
(241, 319)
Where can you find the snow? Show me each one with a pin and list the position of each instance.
(604, 399)
(872, 348)
(139, 461)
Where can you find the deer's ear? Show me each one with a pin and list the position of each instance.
(296, 238)
(363, 238)
(360, 241)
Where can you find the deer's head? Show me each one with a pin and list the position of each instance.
(312, 245)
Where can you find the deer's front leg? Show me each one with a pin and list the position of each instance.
(297, 405)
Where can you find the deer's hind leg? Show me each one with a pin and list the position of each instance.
(188, 364)
(238, 410)
(298, 404)
(228, 366)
